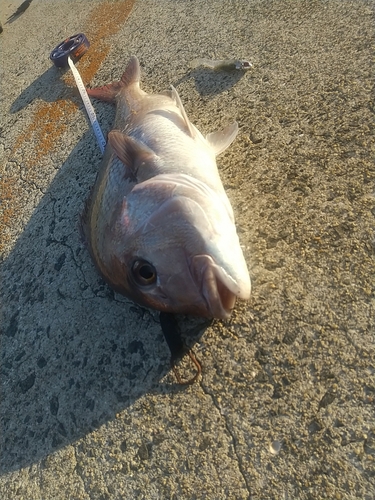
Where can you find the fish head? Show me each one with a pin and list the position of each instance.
(176, 248)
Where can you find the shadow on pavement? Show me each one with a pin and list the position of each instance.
(21, 9)
(50, 79)
(73, 353)
(211, 82)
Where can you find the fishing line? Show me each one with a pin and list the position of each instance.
(66, 53)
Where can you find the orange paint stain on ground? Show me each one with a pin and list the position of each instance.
(51, 120)
(105, 20)
(10, 205)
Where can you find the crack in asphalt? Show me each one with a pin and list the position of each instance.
(80, 274)
(230, 432)
(31, 183)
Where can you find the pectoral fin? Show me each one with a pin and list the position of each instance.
(220, 140)
(129, 151)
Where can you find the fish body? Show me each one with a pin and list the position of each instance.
(222, 64)
(158, 223)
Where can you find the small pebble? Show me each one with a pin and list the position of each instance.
(275, 447)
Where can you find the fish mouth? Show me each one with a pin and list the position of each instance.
(225, 301)
(217, 287)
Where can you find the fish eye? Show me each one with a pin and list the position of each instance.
(144, 273)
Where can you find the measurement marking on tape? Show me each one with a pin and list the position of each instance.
(88, 106)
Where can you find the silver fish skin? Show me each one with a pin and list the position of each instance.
(158, 223)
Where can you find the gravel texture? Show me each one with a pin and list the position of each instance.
(285, 408)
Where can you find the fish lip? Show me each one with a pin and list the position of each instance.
(223, 307)
(217, 287)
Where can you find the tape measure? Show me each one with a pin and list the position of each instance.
(63, 55)
(74, 46)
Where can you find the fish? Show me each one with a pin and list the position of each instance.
(158, 223)
(222, 64)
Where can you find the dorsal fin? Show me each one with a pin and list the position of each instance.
(168, 93)
(131, 76)
(220, 140)
(180, 106)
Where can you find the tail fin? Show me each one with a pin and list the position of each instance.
(131, 76)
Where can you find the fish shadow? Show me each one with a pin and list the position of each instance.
(211, 82)
(73, 353)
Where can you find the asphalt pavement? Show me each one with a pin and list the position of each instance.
(285, 407)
